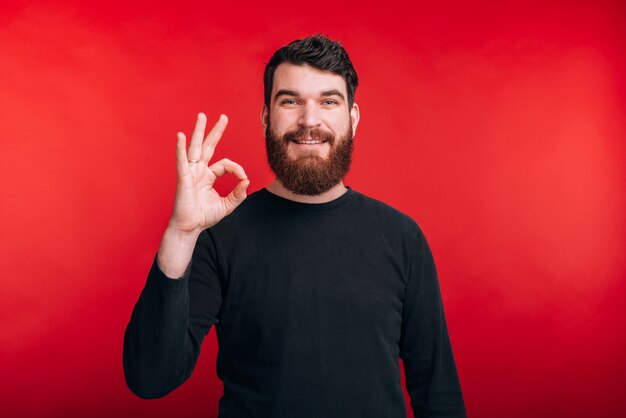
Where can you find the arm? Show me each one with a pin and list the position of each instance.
(181, 298)
(197, 205)
(169, 322)
(431, 377)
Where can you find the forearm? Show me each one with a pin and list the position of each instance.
(175, 252)
(432, 380)
(431, 376)
(158, 352)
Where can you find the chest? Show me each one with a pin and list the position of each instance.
(314, 285)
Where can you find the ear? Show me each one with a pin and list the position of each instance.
(355, 115)
(265, 118)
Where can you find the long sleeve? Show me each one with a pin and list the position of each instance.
(169, 322)
(431, 376)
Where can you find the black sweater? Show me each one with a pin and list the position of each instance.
(313, 305)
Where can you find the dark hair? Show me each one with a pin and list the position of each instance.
(317, 51)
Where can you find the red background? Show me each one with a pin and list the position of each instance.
(499, 126)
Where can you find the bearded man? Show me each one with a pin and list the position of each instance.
(315, 290)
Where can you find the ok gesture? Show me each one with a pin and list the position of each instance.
(197, 205)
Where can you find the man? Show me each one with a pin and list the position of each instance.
(315, 290)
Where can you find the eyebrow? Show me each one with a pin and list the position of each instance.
(326, 93)
(333, 92)
(283, 92)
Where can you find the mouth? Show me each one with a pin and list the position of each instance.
(309, 138)
(308, 141)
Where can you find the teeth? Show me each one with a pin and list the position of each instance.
(308, 142)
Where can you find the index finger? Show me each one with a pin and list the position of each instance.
(211, 140)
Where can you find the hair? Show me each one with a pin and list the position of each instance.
(317, 51)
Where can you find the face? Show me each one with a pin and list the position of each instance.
(309, 128)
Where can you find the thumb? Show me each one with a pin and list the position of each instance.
(237, 195)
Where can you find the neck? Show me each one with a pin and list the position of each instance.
(277, 188)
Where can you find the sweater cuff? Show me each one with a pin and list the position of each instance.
(167, 284)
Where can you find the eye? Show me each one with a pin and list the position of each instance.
(288, 102)
(330, 102)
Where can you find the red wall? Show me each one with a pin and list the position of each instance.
(499, 128)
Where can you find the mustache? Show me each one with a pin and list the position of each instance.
(302, 134)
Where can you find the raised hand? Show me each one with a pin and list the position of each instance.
(197, 204)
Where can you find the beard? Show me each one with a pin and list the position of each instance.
(310, 174)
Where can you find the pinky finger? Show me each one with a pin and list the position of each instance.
(182, 166)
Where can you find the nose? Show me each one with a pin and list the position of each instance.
(309, 117)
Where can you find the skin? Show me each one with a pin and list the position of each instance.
(302, 96)
(197, 205)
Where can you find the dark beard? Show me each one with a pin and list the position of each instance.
(309, 175)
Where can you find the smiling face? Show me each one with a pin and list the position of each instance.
(309, 128)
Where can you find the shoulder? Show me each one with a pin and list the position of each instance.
(385, 215)
(397, 231)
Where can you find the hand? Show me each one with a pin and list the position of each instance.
(197, 204)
